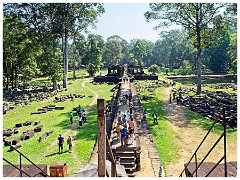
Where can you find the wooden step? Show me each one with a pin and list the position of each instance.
(127, 161)
(130, 169)
(131, 174)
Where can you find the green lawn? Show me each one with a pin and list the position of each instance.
(46, 152)
(163, 135)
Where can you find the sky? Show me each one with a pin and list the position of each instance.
(126, 20)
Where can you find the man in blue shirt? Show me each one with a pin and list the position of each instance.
(60, 143)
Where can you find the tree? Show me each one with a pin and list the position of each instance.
(194, 17)
(139, 50)
(93, 57)
(112, 52)
(125, 48)
(154, 69)
(19, 50)
(60, 18)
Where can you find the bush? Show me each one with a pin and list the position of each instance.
(154, 69)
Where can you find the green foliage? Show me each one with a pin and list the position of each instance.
(167, 70)
(113, 52)
(185, 68)
(234, 67)
(154, 69)
(139, 51)
(93, 57)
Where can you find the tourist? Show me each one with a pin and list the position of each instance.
(84, 118)
(60, 143)
(70, 142)
(124, 120)
(118, 131)
(80, 120)
(131, 130)
(130, 98)
(120, 99)
(130, 136)
(119, 117)
(107, 110)
(79, 109)
(155, 117)
(118, 160)
(124, 100)
(131, 109)
(71, 117)
(124, 133)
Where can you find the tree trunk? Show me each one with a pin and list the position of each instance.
(63, 51)
(74, 60)
(16, 76)
(199, 65)
(55, 85)
(12, 77)
(65, 76)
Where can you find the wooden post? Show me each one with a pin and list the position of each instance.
(113, 168)
(101, 138)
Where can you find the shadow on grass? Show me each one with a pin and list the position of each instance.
(56, 153)
(89, 129)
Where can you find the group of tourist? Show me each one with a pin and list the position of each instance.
(125, 99)
(125, 128)
(108, 109)
(81, 116)
(61, 142)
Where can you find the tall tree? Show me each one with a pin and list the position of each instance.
(61, 18)
(113, 52)
(93, 57)
(139, 51)
(195, 17)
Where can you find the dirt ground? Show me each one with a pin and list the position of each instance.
(190, 136)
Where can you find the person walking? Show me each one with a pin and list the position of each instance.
(60, 143)
(84, 118)
(71, 117)
(118, 131)
(70, 143)
(124, 133)
(155, 117)
(80, 120)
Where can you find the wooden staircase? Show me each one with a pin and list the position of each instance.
(127, 159)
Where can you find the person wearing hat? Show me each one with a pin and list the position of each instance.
(60, 143)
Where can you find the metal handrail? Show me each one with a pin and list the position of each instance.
(20, 169)
(27, 159)
(222, 112)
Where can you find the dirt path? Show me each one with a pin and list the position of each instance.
(190, 136)
(74, 128)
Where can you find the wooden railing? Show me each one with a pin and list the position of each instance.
(221, 113)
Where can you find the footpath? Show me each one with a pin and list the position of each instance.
(149, 158)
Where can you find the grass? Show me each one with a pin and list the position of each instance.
(163, 135)
(58, 121)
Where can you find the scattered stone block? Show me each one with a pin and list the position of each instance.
(15, 146)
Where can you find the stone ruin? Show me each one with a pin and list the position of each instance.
(24, 95)
(7, 133)
(210, 103)
(47, 108)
